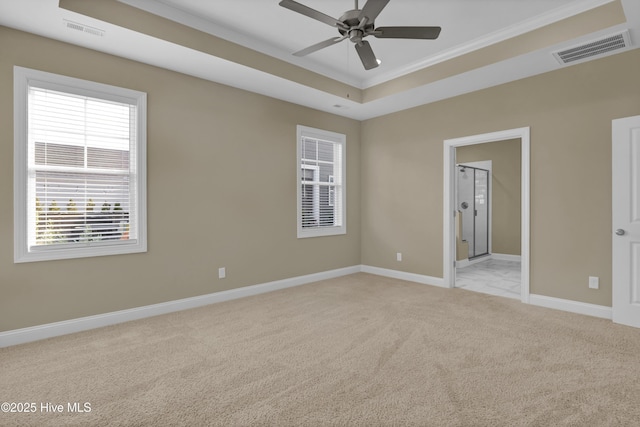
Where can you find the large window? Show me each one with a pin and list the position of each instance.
(321, 186)
(79, 171)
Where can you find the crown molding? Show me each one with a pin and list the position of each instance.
(159, 8)
(515, 30)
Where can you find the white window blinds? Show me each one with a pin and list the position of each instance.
(321, 202)
(79, 168)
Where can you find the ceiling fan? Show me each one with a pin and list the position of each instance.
(357, 24)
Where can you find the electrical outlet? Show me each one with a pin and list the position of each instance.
(594, 282)
(399, 256)
(222, 273)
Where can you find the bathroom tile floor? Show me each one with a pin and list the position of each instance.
(495, 277)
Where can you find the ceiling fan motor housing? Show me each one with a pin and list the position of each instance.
(351, 19)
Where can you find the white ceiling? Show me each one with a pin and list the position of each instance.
(264, 26)
(269, 28)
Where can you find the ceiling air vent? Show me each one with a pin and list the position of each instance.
(84, 28)
(593, 48)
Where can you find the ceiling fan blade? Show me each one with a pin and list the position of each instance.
(406, 32)
(366, 55)
(372, 9)
(319, 46)
(312, 13)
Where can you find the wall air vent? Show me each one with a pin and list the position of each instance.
(84, 28)
(604, 45)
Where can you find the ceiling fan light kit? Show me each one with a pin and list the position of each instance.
(357, 24)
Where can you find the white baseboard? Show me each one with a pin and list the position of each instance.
(467, 262)
(501, 257)
(35, 333)
(402, 275)
(571, 306)
(24, 335)
(506, 257)
(462, 263)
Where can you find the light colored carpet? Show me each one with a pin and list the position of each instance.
(359, 350)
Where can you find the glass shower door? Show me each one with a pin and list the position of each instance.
(473, 204)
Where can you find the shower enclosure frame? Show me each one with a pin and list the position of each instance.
(485, 166)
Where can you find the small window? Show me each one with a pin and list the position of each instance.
(321, 187)
(80, 162)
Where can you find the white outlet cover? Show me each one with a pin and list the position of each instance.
(594, 282)
(222, 273)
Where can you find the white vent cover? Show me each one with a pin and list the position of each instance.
(84, 28)
(601, 46)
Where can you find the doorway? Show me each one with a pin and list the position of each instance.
(451, 212)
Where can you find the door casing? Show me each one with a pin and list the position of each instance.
(449, 239)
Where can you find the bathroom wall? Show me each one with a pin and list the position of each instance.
(506, 189)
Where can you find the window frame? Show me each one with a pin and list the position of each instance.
(339, 180)
(23, 79)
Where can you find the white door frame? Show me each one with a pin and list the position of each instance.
(449, 253)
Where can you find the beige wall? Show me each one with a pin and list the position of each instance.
(221, 193)
(506, 181)
(569, 112)
(229, 156)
